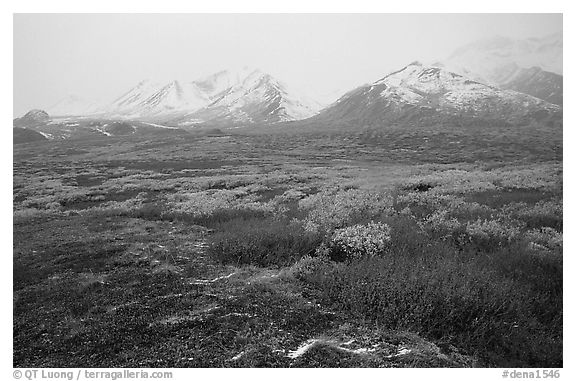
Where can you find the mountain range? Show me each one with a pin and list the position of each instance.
(224, 98)
(495, 81)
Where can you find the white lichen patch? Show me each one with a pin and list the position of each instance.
(309, 344)
(302, 349)
(237, 357)
(208, 281)
(401, 352)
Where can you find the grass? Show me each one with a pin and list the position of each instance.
(196, 260)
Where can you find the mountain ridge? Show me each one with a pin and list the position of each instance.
(538, 83)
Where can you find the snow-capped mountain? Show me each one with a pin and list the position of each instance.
(497, 60)
(419, 94)
(150, 98)
(242, 96)
(253, 97)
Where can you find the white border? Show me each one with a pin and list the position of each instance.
(293, 6)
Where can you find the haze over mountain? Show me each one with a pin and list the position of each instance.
(73, 105)
(510, 63)
(514, 80)
(497, 59)
(101, 56)
(531, 66)
(249, 96)
(414, 95)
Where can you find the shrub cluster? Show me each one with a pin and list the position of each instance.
(359, 241)
(333, 209)
(490, 234)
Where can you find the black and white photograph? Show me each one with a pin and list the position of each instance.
(287, 190)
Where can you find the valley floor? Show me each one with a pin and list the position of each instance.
(287, 251)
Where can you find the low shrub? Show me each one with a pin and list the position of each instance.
(503, 305)
(333, 209)
(546, 213)
(306, 267)
(422, 204)
(359, 241)
(440, 225)
(149, 211)
(219, 218)
(24, 215)
(489, 235)
(262, 242)
(546, 237)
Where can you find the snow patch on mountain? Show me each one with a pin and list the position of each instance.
(46, 135)
(102, 129)
(160, 126)
(400, 94)
(153, 98)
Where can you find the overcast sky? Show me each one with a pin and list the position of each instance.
(100, 56)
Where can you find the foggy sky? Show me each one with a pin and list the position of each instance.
(100, 56)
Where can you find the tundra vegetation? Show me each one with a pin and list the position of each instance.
(289, 250)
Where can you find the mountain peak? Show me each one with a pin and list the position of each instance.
(244, 72)
(426, 79)
(32, 118)
(415, 63)
(215, 84)
(37, 115)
